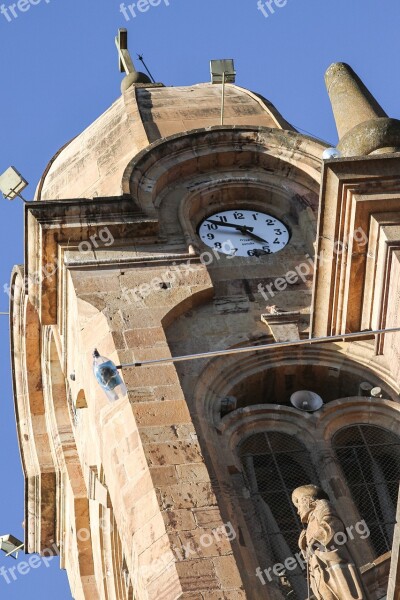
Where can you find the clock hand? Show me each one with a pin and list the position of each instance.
(257, 237)
(242, 228)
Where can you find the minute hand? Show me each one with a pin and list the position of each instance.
(234, 225)
(242, 228)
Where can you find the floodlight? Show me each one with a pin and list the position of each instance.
(10, 545)
(12, 183)
(223, 71)
(228, 404)
(364, 389)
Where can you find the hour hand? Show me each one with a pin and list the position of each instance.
(257, 237)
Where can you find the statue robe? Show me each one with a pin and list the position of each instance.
(333, 575)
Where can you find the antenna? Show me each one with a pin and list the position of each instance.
(140, 57)
(306, 401)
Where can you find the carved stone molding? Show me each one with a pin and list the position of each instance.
(359, 213)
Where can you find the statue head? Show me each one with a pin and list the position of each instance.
(304, 498)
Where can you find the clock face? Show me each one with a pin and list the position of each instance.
(244, 233)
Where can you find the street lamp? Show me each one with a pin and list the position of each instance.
(10, 545)
(12, 184)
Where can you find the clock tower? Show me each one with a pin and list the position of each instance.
(159, 233)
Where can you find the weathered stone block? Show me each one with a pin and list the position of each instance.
(187, 495)
(178, 453)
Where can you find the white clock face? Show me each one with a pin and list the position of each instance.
(244, 233)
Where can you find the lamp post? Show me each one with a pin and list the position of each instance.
(222, 72)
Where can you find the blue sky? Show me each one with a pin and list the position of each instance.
(59, 72)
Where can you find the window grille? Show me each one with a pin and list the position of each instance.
(275, 464)
(370, 459)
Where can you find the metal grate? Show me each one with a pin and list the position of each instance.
(370, 459)
(275, 464)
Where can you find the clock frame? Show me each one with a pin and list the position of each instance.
(243, 232)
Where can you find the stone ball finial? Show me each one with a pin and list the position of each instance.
(132, 78)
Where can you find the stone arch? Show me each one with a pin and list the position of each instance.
(221, 375)
(283, 462)
(192, 301)
(166, 161)
(369, 456)
(222, 435)
(338, 414)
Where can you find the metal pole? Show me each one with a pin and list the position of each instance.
(13, 191)
(223, 98)
(334, 338)
(16, 549)
(140, 57)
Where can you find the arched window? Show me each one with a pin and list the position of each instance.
(275, 464)
(370, 459)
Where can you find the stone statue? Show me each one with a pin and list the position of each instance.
(332, 573)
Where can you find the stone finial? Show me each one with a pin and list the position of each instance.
(363, 126)
(352, 102)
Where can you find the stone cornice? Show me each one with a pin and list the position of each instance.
(53, 226)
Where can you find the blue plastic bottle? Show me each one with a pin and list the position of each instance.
(108, 377)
